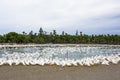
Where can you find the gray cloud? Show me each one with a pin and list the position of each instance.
(85, 15)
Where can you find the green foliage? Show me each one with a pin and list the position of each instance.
(11, 37)
(41, 32)
(1, 39)
(42, 37)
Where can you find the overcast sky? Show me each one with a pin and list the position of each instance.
(88, 16)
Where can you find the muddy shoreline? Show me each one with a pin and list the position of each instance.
(98, 72)
(56, 45)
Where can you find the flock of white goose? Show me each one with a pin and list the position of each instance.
(45, 57)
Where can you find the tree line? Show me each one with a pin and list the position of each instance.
(42, 37)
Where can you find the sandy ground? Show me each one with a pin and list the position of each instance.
(99, 72)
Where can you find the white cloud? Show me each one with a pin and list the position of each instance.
(59, 14)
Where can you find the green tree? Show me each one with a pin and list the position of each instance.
(54, 33)
(41, 32)
(1, 39)
(76, 33)
(11, 37)
(63, 33)
(43, 37)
